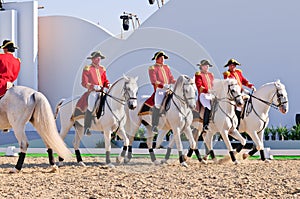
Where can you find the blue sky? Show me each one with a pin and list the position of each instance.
(105, 12)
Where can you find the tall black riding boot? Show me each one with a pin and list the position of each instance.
(87, 122)
(155, 119)
(206, 119)
(238, 114)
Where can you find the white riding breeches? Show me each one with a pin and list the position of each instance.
(92, 100)
(205, 99)
(159, 97)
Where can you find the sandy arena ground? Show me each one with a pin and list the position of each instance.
(141, 179)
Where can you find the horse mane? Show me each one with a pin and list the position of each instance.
(118, 81)
(276, 82)
(220, 83)
(180, 80)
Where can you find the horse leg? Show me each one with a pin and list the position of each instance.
(208, 140)
(23, 143)
(76, 143)
(196, 134)
(63, 133)
(169, 149)
(54, 167)
(129, 153)
(150, 137)
(107, 138)
(236, 134)
(178, 142)
(228, 145)
(123, 136)
(258, 145)
(261, 147)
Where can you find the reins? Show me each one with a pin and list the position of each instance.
(271, 104)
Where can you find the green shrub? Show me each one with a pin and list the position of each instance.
(294, 133)
(284, 133)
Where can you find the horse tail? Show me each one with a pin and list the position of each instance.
(57, 107)
(44, 122)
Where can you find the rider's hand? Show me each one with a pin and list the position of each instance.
(105, 90)
(253, 88)
(167, 86)
(97, 87)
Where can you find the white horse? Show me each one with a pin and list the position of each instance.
(121, 92)
(227, 95)
(21, 105)
(178, 118)
(256, 117)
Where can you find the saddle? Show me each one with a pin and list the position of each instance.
(98, 110)
(247, 108)
(147, 107)
(100, 105)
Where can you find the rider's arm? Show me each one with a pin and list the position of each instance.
(85, 78)
(153, 78)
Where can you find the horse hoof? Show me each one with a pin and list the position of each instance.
(245, 156)
(54, 168)
(60, 164)
(215, 160)
(110, 165)
(119, 159)
(156, 162)
(184, 164)
(203, 161)
(235, 162)
(267, 161)
(127, 160)
(205, 158)
(14, 170)
(164, 161)
(82, 164)
(185, 157)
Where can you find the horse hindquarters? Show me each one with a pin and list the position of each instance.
(43, 121)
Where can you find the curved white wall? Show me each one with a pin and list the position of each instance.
(64, 42)
(262, 35)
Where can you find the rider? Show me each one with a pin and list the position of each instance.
(237, 74)
(204, 82)
(95, 80)
(9, 66)
(161, 78)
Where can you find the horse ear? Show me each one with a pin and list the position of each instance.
(125, 77)
(136, 78)
(277, 82)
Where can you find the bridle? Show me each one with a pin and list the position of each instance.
(185, 100)
(231, 100)
(281, 100)
(127, 97)
(126, 94)
(231, 91)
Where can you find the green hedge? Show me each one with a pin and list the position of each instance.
(284, 133)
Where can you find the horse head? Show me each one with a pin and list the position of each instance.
(130, 91)
(185, 89)
(281, 100)
(229, 89)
